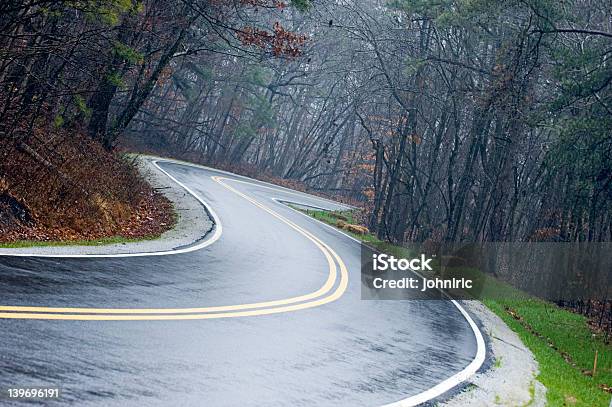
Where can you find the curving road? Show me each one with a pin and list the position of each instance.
(267, 312)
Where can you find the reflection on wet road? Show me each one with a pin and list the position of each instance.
(347, 352)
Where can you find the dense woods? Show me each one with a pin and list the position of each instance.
(73, 75)
(445, 122)
(460, 120)
(456, 120)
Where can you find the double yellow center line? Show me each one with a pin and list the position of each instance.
(316, 298)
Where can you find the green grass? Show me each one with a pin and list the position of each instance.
(553, 334)
(332, 218)
(541, 325)
(94, 242)
(566, 384)
(498, 363)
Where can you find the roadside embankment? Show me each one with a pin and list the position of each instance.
(69, 189)
(511, 379)
(509, 375)
(190, 223)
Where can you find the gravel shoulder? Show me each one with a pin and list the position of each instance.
(192, 225)
(510, 379)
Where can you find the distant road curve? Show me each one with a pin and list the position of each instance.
(271, 261)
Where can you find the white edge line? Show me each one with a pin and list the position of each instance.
(218, 230)
(448, 383)
(419, 398)
(253, 181)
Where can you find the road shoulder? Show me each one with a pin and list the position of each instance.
(193, 223)
(510, 379)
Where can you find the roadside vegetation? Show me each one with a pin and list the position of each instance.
(80, 194)
(562, 341)
(565, 349)
(92, 242)
(73, 77)
(344, 220)
(446, 121)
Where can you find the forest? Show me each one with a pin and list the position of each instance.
(447, 120)
(446, 123)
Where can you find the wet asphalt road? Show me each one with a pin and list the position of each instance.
(345, 353)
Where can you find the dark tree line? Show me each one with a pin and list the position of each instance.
(93, 64)
(449, 120)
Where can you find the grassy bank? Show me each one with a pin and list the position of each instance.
(333, 217)
(565, 349)
(94, 242)
(560, 340)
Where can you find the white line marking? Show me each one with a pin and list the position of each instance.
(419, 398)
(226, 311)
(218, 230)
(257, 182)
(455, 379)
(448, 383)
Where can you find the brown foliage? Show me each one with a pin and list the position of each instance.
(279, 41)
(545, 235)
(357, 229)
(68, 187)
(338, 216)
